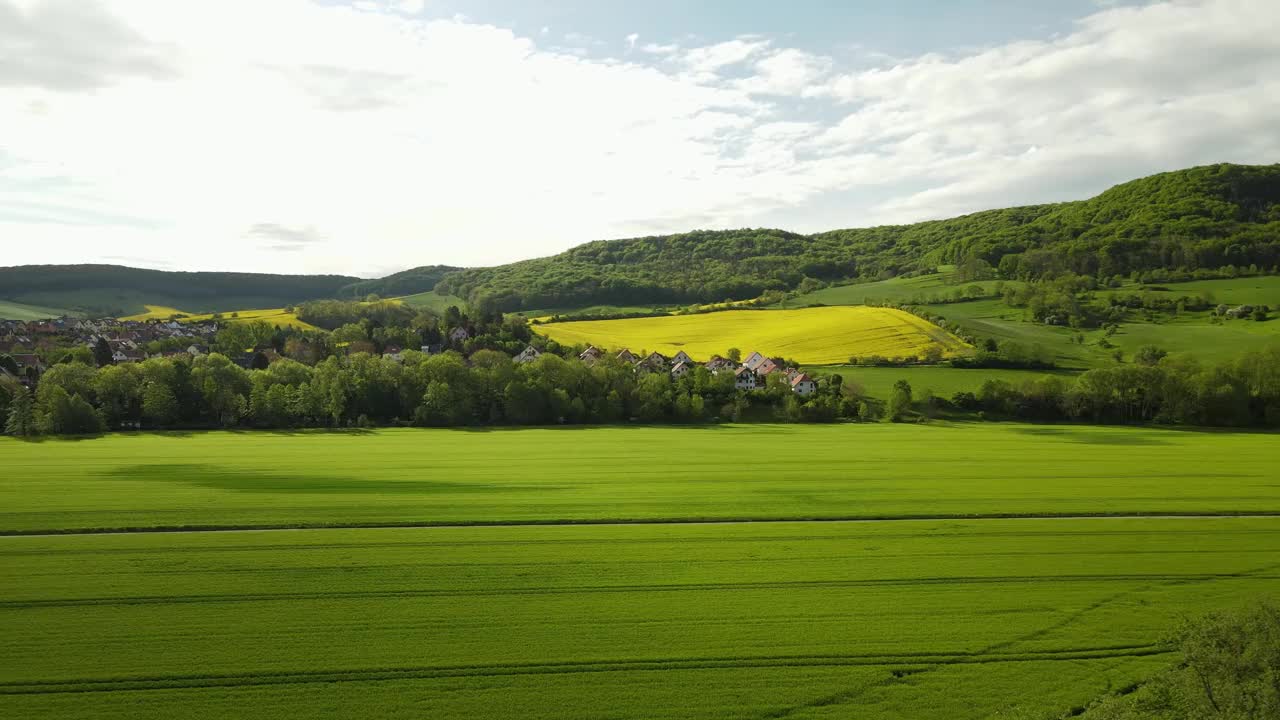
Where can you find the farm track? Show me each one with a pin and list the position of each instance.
(1117, 515)
(590, 590)
(298, 677)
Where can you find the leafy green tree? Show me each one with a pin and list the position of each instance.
(8, 363)
(223, 386)
(1149, 355)
(21, 421)
(159, 405)
(899, 405)
(64, 414)
(119, 392)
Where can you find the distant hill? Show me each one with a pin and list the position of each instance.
(409, 282)
(1205, 217)
(116, 290)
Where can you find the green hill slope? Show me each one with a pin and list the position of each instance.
(115, 290)
(409, 282)
(1205, 217)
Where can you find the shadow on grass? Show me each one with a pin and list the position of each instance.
(217, 477)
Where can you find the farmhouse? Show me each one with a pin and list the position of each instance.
(682, 357)
(803, 385)
(717, 364)
(590, 355)
(745, 379)
(767, 367)
(653, 362)
(681, 369)
(628, 357)
(527, 355)
(753, 361)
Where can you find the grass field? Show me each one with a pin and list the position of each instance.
(942, 380)
(433, 301)
(815, 336)
(950, 617)
(20, 311)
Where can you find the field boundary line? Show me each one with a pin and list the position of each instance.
(561, 522)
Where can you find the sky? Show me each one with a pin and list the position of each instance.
(369, 136)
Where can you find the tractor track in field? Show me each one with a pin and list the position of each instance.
(393, 594)
(300, 677)
(588, 522)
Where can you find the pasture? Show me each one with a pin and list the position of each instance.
(432, 300)
(563, 608)
(814, 336)
(21, 311)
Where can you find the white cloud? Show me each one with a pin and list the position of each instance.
(363, 138)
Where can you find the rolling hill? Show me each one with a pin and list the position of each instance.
(115, 290)
(1204, 217)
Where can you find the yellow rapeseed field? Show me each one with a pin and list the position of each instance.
(813, 336)
(272, 316)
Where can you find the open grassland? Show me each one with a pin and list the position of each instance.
(816, 336)
(943, 381)
(956, 617)
(272, 316)
(433, 301)
(21, 311)
(408, 476)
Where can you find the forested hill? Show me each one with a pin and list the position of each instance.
(117, 290)
(409, 282)
(1204, 217)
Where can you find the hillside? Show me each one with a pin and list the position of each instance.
(115, 290)
(1205, 217)
(408, 282)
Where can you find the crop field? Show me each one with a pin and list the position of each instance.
(957, 614)
(273, 316)
(815, 336)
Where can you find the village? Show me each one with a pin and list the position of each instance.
(27, 342)
(750, 374)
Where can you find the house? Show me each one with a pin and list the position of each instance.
(792, 374)
(767, 367)
(119, 356)
(681, 357)
(527, 355)
(803, 385)
(28, 360)
(717, 364)
(681, 369)
(745, 379)
(459, 334)
(628, 357)
(753, 361)
(590, 355)
(656, 361)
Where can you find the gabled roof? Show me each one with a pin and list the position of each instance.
(802, 377)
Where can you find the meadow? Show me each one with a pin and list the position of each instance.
(21, 311)
(432, 301)
(815, 336)
(964, 615)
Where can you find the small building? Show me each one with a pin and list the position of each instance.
(656, 361)
(753, 361)
(628, 357)
(527, 355)
(682, 357)
(681, 369)
(459, 334)
(590, 355)
(745, 379)
(803, 385)
(767, 367)
(719, 364)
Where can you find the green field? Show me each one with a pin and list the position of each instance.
(957, 617)
(432, 301)
(877, 382)
(19, 311)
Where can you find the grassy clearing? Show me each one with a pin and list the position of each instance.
(943, 381)
(539, 475)
(817, 336)
(432, 301)
(957, 619)
(20, 311)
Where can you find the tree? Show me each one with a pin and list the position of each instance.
(159, 406)
(734, 354)
(1260, 313)
(8, 363)
(21, 421)
(1149, 355)
(102, 355)
(64, 414)
(899, 405)
(222, 385)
